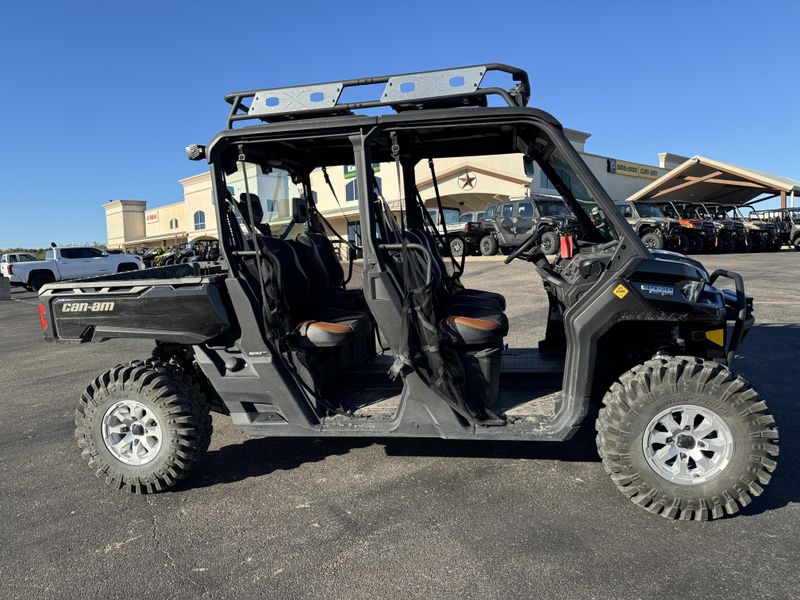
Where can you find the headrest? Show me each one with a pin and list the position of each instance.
(255, 203)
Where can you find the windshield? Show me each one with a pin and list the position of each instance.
(451, 215)
(649, 210)
(566, 181)
(553, 208)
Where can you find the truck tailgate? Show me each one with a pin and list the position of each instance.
(186, 310)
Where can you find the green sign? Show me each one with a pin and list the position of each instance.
(350, 170)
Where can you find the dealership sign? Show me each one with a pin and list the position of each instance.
(151, 217)
(350, 170)
(623, 167)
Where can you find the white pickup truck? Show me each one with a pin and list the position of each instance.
(72, 262)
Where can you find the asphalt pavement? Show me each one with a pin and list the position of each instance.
(351, 519)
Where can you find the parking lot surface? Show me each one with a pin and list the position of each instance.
(283, 518)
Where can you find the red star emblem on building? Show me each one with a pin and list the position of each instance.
(467, 181)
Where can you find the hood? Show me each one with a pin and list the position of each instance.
(668, 255)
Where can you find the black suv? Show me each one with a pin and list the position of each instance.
(508, 224)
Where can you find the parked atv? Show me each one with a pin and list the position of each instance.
(731, 232)
(272, 338)
(763, 233)
(656, 230)
(787, 224)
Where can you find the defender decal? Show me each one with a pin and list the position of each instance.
(657, 290)
(87, 307)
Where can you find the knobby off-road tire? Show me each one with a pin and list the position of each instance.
(488, 245)
(549, 243)
(160, 393)
(457, 246)
(652, 389)
(653, 240)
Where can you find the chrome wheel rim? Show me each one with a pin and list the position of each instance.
(688, 444)
(131, 432)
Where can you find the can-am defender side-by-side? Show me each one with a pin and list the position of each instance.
(271, 336)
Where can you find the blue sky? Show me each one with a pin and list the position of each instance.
(99, 99)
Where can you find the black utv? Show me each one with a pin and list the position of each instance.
(271, 336)
(509, 224)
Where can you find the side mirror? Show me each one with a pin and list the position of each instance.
(527, 163)
(299, 210)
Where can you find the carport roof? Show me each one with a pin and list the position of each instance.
(702, 179)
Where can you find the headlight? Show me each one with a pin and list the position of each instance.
(691, 289)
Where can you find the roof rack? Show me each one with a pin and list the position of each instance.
(443, 88)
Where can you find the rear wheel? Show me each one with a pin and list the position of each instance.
(488, 245)
(686, 439)
(37, 280)
(653, 240)
(457, 246)
(142, 426)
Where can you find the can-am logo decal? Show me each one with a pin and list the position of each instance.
(657, 290)
(87, 307)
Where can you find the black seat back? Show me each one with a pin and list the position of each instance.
(324, 254)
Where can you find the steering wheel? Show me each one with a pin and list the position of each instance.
(529, 244)
(537, 257)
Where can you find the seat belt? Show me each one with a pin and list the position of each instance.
(459, 266)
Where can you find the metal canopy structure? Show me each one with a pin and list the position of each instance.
(702, 179)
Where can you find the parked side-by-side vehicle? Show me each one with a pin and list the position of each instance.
(271, 335)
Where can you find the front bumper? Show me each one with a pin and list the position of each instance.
(738, 312)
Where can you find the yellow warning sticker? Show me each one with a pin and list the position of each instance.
(717, 336)
(620, 291)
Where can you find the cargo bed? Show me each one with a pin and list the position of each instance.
(177, 303)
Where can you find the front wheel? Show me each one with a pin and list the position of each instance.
(696, 244)
(142, 426)
(653, 240)
(686, 439)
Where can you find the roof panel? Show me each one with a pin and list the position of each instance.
(702, 179)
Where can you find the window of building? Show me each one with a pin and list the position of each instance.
(544, 182)
(354, 233)
(199, 220)
(351, 189)
(173, 223)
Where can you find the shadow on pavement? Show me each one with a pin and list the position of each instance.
(258, 457)
(769, 362)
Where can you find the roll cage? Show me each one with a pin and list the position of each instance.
(301, 143)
